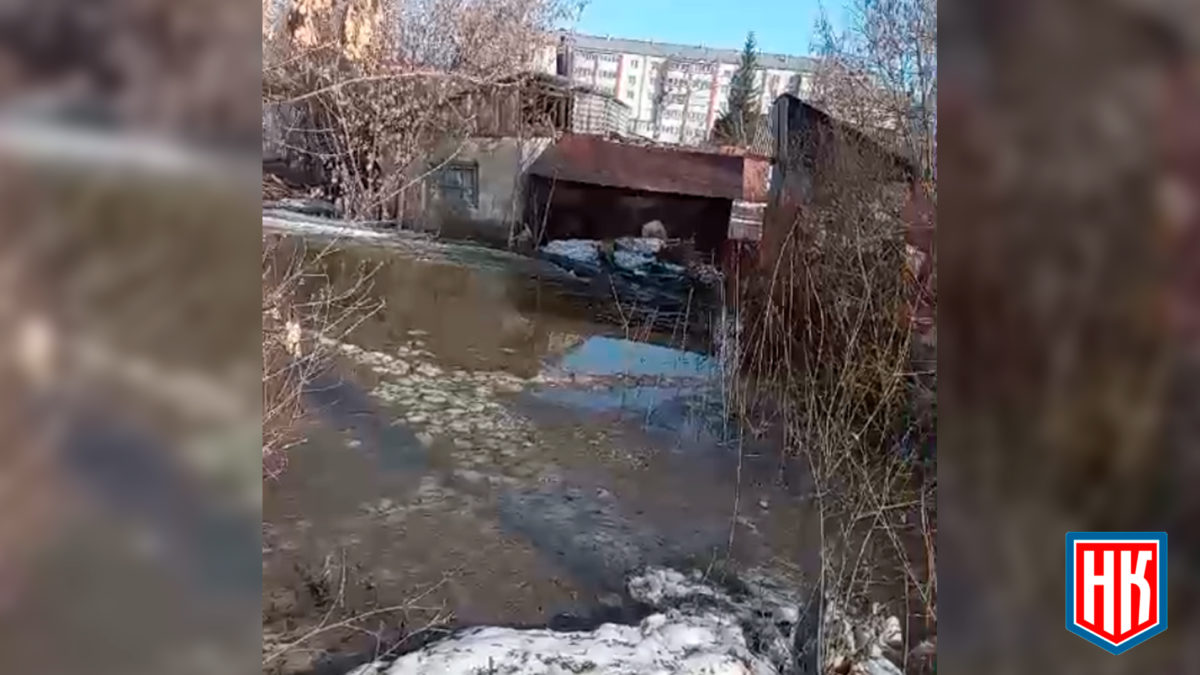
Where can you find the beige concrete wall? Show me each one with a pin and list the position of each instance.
(502, 163)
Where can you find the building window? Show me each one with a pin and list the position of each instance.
(629, 95)
(632, 80)
(458, 184)
(633, 63)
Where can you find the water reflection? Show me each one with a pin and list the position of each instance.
(486, 427)
(668, 389)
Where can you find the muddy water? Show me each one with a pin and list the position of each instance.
(486, 448)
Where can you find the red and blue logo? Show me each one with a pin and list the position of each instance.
(1116, 587)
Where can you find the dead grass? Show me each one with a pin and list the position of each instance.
(347, 597)
(825, 355)
(300, 304)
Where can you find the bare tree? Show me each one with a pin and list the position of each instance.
(366, 90)
(880, 73)
(373, 86)
(692, 70)
(660, 97)
(666, 93)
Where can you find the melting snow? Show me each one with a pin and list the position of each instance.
(661, 644)
(696, 628)
(660, 586)
(702, 631)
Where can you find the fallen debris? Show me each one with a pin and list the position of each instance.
(860, 643)
(638, 270)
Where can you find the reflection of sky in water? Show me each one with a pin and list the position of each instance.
(627, 398)
(664, 405)
(613, 356)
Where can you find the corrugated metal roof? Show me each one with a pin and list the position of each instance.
(596, 161)
(688, 52)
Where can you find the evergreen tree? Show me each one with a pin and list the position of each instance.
(738, 124)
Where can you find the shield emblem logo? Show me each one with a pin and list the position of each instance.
(1116, 587)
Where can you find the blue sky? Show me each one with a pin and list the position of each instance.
(781, 26)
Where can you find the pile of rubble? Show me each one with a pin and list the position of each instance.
(646, 270)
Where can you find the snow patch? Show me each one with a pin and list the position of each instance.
(751, 629)
(658, 586)
(860, 641)
(695, 628)
(294, 224)
(662, 644)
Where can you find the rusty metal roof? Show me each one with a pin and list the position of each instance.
(594, 160)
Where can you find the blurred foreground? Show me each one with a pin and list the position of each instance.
(1068, 318)
(129, 479)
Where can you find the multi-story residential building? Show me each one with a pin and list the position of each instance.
(676, 92)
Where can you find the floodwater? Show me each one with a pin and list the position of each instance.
(486, 453)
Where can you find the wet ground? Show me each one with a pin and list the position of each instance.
(487, 454)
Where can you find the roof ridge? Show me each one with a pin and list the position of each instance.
(776, 55)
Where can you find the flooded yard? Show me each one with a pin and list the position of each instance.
(486, 453)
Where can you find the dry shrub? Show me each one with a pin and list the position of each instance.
(879, 73)
(283, 385)
(360, 91)
(364, 88)
(827, 352)
(833, 348)
(299, 306)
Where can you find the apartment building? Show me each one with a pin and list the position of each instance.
(676, 92)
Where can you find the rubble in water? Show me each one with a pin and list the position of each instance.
(636, 269)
